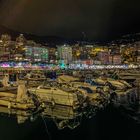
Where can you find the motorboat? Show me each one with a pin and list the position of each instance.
(19, 100)
(58, 94)
(6, 86)
(112, 83)
(97, 96)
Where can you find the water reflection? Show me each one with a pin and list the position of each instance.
(21, 115)
(62, 116)
(63, 122)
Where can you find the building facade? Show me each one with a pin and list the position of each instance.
(65, 53)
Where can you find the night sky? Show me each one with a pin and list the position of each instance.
(92, 19)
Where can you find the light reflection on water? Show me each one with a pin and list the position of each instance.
(62, 116)
(105, 124)
(62, 122)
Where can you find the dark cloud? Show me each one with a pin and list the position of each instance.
(99, 19)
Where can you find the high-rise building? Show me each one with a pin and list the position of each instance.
(76, 52)
(36, 53)
(5, 43)
(44, 54)
(65, 53)
(20, 40)
(53, 54)
(104, 57)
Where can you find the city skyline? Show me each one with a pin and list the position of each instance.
(22, 49)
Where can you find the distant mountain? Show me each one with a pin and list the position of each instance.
(4, 30)
(52, 40)
(129, 38)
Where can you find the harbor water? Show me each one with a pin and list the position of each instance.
(110, 123)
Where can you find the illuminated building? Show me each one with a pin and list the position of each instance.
(44, 54)
(117, 60)
(82, 53)
(130, 53)
(103, 57)
(20, 40)
(29, 50)
(5, 42)
(53, 54)
(40, 54)
(20, 48)
(36, 53)
(136, 52)
(65, 53)
(76, 52)
(28, 53)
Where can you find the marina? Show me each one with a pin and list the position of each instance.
(69, 70)
(67, 90)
